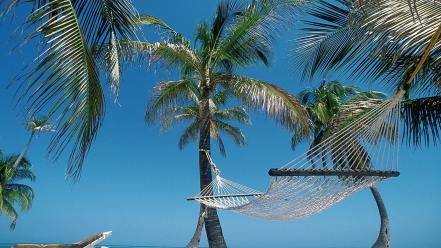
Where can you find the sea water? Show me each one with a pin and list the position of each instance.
(108, 246)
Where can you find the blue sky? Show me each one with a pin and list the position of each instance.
(135, 179)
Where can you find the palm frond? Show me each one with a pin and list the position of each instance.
(167, 95)
(170, 33)
(177, 115)
(21, 194)
(214, 132)
(190, 133)
(278, 104)
(169, 53)
(10, 212)
(379, 39)
(64, 81)
(112, 65)
(250, 39)
(422, 121)
(232, 114)
(234, 132)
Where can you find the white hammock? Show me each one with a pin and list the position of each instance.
(359, 155)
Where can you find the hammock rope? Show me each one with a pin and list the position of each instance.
(361, 154)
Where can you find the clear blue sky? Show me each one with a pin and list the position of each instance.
(135, 179)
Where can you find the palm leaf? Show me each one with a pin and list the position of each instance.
(214, 132)
(177, 115)
(10, 212)
(282, 107)
(64, 81)
(422, 121)
(190, 133)
(234, 132)
(170, 33)
(169, 53)
(250, 38)
(376, 40)
(232, 114)
(167, 95)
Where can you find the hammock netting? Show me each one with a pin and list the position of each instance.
(360, 154)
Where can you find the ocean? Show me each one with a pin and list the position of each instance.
(108, 246)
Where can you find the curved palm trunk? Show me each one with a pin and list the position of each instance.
(24, 151)
(383, 240)
(196, 239)
(212, 224)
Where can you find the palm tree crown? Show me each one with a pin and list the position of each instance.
(12, 191)
(238, 36)
(325, 102)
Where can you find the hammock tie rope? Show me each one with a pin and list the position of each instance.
(361, 154)
(215, 169)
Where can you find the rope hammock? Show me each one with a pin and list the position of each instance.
(361, 154)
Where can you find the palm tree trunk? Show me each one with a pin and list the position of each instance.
(24, 151)
(212, 224)
(383, 240)
(194, 242)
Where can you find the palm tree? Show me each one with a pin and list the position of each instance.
(238, 36)
(35, 126)
(12, 191)
(325, 106)
(219, 117)
(394, 41)
(76, 41)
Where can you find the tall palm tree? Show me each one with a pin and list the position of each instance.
(325, 105)
(219, 119)
(12, 191)
(35, 126)
(237, 37)
(64, 83)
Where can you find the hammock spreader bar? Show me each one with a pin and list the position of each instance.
(275, 172)
(222, 196)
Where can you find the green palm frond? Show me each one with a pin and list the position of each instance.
(326, 38)
(20, 194)
(178, 115)
(250, 38)
(167, 95)
(190, 133)
(160, 52)
(234, 132)
(378, 39)
(214, 133)
(282, 107)
(169, 32)
(112, 65)
(232, 114)
(64, 82)
(11, 213)
(422, 121)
